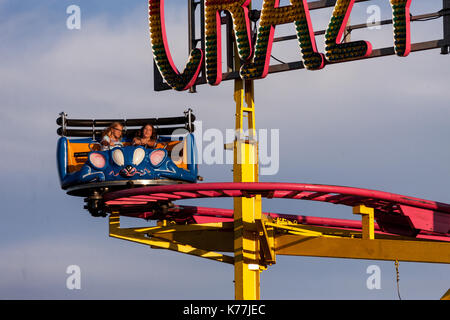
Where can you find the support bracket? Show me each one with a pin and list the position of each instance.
(368, 221)
(153, 237)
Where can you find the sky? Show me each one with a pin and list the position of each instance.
(380, 124)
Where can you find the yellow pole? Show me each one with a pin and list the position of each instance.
(368, 221)
(246, 210)
(446, 296)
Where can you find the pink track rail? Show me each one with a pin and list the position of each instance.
(395, 214)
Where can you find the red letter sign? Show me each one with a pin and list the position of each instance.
(402, 30)
(242, 31)
(335, 50)
(162, 55)
(273, 15)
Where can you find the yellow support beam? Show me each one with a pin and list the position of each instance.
(446, 296)
(370, 249)
(217, 237)
(368, 221)
(246, 210)
(186, 249)
(266, 236)
(148, 236)
(296, 229)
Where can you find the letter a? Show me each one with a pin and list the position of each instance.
(374, 281)
(74, 20)
(239, 13)
(335, 50)
(273, 15)
(162, 55)
(74, 280)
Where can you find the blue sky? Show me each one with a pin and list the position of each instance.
(381, 124)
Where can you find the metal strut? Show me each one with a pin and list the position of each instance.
(164, 236)
(247, 266)
(446, 23)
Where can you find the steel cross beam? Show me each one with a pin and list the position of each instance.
(281, 237)
(156, 237)
(368, 249)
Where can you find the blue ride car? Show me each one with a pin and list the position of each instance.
(86, 171)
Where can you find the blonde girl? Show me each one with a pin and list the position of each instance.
(112, 136)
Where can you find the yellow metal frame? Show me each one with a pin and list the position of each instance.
(281, 238)
(156, 237)
(446, 296)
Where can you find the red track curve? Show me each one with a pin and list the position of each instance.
(394, 213)
(324, 193)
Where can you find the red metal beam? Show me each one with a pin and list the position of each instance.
(395, 214)
(230, 189)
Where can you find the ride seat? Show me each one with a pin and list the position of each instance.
(78, 150)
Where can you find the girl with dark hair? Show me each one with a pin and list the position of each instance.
(146, 137)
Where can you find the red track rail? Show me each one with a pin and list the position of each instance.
(394, 213)
(332, 194)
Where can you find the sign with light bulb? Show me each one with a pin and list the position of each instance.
(254, 52)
